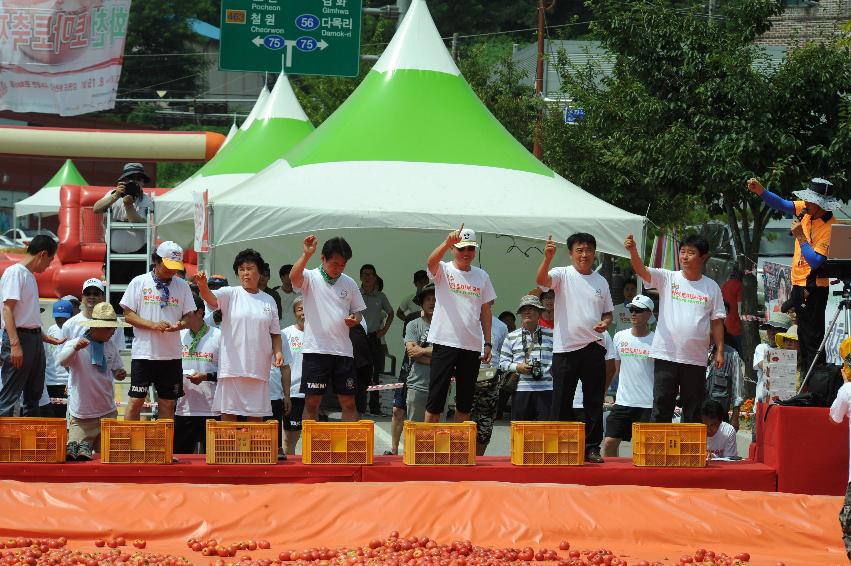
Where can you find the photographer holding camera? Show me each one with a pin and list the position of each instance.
(127, 203)
(526, 359)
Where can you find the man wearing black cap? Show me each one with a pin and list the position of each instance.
(133, 207)
(811, 226)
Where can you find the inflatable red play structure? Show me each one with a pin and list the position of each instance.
(81, 243)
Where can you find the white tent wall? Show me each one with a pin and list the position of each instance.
(397, 254)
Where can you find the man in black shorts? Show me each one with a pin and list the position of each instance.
(634, 366)
(156, 303)
(461, 324)
(332, 305)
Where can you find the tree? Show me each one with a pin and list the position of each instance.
(687, 116)
(156, 31)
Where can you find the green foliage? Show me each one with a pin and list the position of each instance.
(686, 117)
(158, 28)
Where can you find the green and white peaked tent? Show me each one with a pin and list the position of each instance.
(275, 124)
(411, 155)
(45, 202)
(231, 133)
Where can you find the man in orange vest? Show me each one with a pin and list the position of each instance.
(811, 226)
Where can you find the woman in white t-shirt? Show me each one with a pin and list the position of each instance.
(250, 342)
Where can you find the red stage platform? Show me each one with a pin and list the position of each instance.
(745, 475)
(808, 450)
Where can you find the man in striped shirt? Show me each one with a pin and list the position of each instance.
(527, 357)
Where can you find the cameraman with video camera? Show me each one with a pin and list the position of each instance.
(811, 227)
(127, 203)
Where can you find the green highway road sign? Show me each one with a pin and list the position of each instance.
(304, 37)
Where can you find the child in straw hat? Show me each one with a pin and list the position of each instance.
(92, 361)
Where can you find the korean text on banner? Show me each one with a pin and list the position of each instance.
(59, 57)
(202, 224)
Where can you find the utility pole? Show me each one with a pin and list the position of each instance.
(539, 73)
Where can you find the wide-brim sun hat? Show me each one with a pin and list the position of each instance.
(820, 192)
(779, 320)
(131, 169)
(103, 316)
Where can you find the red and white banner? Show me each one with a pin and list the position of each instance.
(202, 226)
(61, 56)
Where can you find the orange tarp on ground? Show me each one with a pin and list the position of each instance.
(640, 522)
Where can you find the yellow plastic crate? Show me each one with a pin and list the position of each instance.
(440, 444)
(337, 443)
(667, 445)
(242, 443)
(546, 443)
(33, 440)
(136, 442)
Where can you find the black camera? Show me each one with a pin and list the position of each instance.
(537, 371)
(133, 189)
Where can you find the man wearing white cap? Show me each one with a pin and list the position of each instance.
(461, 321)
(634, 368)
(811, 226)
(94, 292)
(156, 303)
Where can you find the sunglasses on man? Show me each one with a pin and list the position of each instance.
(636, 310)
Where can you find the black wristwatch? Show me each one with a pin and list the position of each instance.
(489, 344)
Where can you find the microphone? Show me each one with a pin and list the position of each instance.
(799, 217)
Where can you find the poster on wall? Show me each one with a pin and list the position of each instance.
(61, 56)
(777, 283)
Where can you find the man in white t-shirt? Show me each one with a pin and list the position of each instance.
(621, 317)
(634, 368)
(720, 435)
(288, 296)
(839, 411)
(156, 303)
(332, 305)
(293, 343)
(200, 345)
(22, 359)
(583, 312)
(461, 325)
(93, 363)
(691, 310)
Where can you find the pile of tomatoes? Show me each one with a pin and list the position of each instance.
(394, 550)
(423, 551)
(212, 547)
(55, 552)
